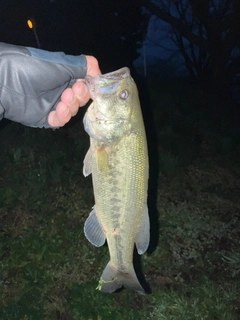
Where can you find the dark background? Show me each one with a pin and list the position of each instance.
(109, 30)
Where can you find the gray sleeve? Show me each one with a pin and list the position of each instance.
(32, 81)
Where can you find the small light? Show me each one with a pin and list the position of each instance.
(30, 24)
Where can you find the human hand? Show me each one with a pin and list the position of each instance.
(73, 98)
(42, 89)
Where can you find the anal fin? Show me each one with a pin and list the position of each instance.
(93, 230)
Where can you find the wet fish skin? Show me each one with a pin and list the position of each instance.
(118, 161)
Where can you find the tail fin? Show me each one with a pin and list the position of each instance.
(113, 279)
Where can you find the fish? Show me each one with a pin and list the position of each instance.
(118, 161)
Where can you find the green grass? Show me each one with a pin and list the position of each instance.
(48, 269)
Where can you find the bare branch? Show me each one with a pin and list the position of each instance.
(176, 23)
(206, 33)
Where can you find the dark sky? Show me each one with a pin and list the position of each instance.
(107, 29)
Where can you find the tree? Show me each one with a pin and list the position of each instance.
(207, 33)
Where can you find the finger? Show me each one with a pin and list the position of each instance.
(81, 92)
(92, 66)
(60, 116)
(71, 101)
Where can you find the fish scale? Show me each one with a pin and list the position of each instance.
(118, 161)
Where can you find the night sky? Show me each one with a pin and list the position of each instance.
(109, 30)
(122, 33)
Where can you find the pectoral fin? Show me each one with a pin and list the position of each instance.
(93, 230)
(143, 235)
(87, 163)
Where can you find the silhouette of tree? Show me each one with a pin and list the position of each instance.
(207, 33)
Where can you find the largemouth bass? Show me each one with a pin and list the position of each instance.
(118, 161)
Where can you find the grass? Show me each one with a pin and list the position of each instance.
(49, 271)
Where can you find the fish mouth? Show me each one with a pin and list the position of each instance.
(106, 84)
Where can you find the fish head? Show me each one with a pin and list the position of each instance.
(113, 94)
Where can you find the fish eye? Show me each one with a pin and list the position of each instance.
(124, 94)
